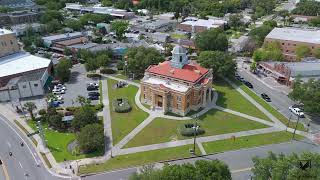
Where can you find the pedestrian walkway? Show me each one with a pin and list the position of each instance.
(199, 140)
(106, 115)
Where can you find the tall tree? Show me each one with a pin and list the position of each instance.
(139, 58)
(62, 70)
(222, 64)
(30, 107)
(84, 116)
(120, 27)
(212, 40)
(91, 138)
(202, 169)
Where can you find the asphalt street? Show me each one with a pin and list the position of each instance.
(22, 165)
(280, 101)
(239, 162)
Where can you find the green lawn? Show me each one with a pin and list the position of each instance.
(178, 36)
(248, 141)
(214, 122)
(121, 76)
(124, 123)
(57, 142)
(267, 106)
(230, 98)
(137, 159)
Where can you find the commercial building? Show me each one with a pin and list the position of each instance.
(286, 72)
(18, 17)
(21, 74)
(200, 25)
(48, 41)
(98, 9)
(17, 3)
(159, 23)
(291, 38)
(21, 29)
(178, 86)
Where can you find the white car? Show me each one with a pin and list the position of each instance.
(93, 84)
(296, 111)
(59, 97)
(58, 91)
(60, 86)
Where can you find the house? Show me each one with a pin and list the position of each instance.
(200, 25)
(290, 38)
(286, 72)
(178, 86)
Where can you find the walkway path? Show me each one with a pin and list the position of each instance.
(106, 115)
(190, 141)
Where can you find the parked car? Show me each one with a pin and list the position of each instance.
(300, 106)
(60, 86)
(54, 104)
(248, 84)
(58, 91)
(93, 97)
(296, 111)
(59, 97)
(92, 88)
(93, 84)
(95, 93)
(265, 97)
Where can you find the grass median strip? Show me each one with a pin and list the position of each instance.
(248, 141)
(137, 159)
(230, 98)
(124, 123)
(214, 122)
(44, 157)
(26, 132)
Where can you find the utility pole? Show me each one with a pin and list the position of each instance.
(294, 132)
(195, 126)
(289, 122)
(39, 126)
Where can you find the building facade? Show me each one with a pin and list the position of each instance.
(19, 17)
(8, 43)
(177, 86)
(200, 25)
(290, 38)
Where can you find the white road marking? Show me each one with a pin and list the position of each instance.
(20, 165)
(9, 144)
(241, 170)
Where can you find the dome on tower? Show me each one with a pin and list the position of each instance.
(178, 50)
(179, 57)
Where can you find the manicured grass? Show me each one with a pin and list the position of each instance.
(121, 76)
(124, 123)
(138, 159)
(248, 141)
(178, 36)
(268, 107)
(230, 98)
(57, 142)
(213, 122)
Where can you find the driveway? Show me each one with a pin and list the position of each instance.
(77, 86)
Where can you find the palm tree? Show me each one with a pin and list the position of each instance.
(30, 106)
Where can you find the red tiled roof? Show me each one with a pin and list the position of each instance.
(190, 72)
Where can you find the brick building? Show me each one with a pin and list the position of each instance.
(291, 38)
(18, 17)
(178, 86)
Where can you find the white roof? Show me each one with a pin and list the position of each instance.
(21, 62)
(210, 23)
(168, 84)
(292, 34)
(5, 31)
(62, 36)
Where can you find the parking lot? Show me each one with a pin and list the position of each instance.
(77, 86)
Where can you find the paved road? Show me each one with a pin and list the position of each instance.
(23, 159)
(280, 101)
(238, 161)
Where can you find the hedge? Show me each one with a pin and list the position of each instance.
(94, 75)
(107, 71)
(121, 109)
(187, 130)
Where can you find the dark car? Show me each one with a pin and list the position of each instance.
(248, 84)
(94, 93)
(265, 97)
(92, 88)
(93, 97)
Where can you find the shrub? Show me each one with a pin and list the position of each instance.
(42, 112)
(98, 107)
(107, 71)
(121, 105)
(72, 109)
(187, 130)
(94, 75)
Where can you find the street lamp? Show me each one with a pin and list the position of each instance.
(195, 129)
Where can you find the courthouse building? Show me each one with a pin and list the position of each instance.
(177, 86)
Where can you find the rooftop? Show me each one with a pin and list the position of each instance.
(166, 84)
(21, 62)
(191, 72)
(32, 76)
(210, 23)
(5, 31)
(292, 34)
(62, 36)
